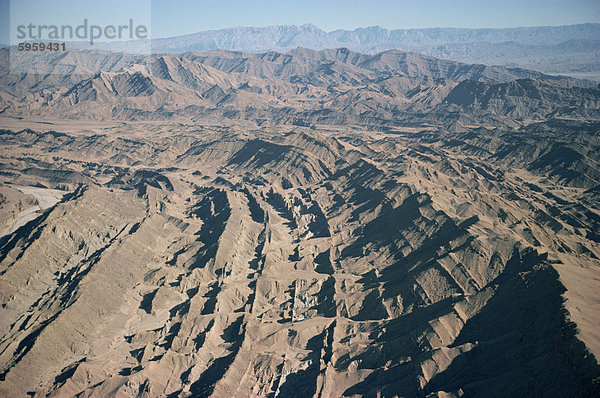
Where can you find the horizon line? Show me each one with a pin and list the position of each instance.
(373, 26)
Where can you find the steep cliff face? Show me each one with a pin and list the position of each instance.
(232, 261)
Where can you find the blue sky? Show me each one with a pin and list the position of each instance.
(176, 17)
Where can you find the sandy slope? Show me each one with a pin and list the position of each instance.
(44, 198)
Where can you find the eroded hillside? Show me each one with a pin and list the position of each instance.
(188, 260)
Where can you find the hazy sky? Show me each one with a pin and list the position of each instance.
(337, 14)
(175, 17)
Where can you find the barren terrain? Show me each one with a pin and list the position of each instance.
(392, 230)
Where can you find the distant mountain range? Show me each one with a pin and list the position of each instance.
(570, 49)
(302, 87)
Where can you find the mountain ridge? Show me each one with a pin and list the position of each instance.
(544, 45)
(536, 34)
(332, 86)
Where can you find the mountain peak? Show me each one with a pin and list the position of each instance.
(309, 26)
